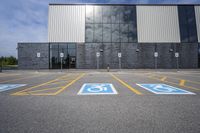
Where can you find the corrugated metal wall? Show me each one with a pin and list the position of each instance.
(158, 24)
(66, 23)
(197, 13)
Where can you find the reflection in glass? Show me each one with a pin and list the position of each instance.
(187, 24)
(124, 32)
(111, 24)
(132, 36)
(89, 33)
(97, 14)
(89, 14)
(106, 32)
(69, 59)
(106, 14)
(115, 14)
(115, 33)
(98, 33)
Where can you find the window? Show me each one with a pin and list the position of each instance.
(115, 33)
(107, 32)
(89, 14)
(132, 36)
(98, 33)
(89, 31)
(106, 14)
(187, 24)
(115, 14)
(110, 24)
(97, 14)
(124, 32)
(69, 59)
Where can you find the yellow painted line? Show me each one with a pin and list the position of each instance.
(60, 81)
(22, 78)
(187, 75)
(20, 94)
(163, 78)
(175, 84)
(182, 82)
(126, 85)
(37, 85)
(37, 94)
(43, 94)
(69, 84)
(182, 79)
(45, 89)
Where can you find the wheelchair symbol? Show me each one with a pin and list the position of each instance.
(96, 89)
(163, 88)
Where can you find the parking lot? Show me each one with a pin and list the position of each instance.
(90, 101)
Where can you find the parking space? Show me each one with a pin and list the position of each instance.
(100, 101)
(126, 83)
(181, 80)
(52, 87)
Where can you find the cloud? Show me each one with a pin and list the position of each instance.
(26, 20)
(21, 21)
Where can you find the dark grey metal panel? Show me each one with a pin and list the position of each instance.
(166, 58)
(188, 55)
(146, 55)
(86, 55)
(129, 55)
(133, 58)
(110, 55)
(27, 56)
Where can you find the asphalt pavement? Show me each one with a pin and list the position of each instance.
(91, 101)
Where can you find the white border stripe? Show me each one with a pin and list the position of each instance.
(185, 92)
(83, 86)
(11, 87)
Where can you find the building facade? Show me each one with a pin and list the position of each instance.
(118, 36)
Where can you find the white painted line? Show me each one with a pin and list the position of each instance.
(100, 89)
(167, 90)
(6, 87)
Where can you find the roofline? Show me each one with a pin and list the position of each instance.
(107, 4)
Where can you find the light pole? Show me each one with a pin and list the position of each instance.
(61, 59)
(119, 57)
(98, 55)
(156, 58)
(38, 56)
(177, 60)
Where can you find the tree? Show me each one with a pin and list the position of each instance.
(8, 60)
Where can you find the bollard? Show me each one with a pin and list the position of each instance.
(108, 68)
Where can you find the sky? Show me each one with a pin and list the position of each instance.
(26, 20)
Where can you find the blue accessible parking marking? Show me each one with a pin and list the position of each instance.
(163, 89)
(5, 87)
(97, 89)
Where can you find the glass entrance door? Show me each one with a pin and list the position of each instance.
(69, 59)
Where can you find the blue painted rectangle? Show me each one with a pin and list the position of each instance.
(5, 87)
(97, 89)
(163, 89)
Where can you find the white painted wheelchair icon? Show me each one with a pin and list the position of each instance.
(163, 88)
(97, 88)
